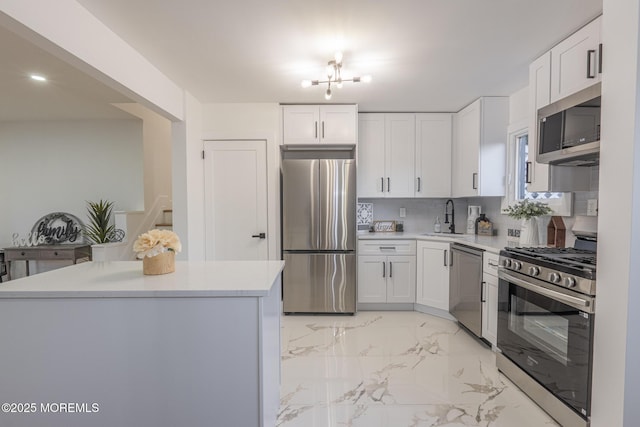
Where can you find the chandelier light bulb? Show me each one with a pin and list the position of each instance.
(334, 77)
(330, 70)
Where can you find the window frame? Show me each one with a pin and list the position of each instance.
(561, 206)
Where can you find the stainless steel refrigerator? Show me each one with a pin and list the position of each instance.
(319, 235)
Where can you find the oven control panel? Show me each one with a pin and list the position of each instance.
(550, 274)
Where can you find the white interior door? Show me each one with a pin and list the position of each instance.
(236, 200)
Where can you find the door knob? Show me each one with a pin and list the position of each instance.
(260, 236)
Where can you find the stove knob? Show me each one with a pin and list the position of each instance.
(517, 265)
(554, 277)
(569, 282)
(506, 262)
(534, 271)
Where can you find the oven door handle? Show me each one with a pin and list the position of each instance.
(575, 302)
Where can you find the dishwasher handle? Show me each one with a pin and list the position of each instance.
(467, 249)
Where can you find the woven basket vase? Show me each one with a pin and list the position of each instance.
(160, 264)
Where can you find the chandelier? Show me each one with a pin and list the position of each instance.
(334, 77)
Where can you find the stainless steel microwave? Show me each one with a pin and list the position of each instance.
(569, 130)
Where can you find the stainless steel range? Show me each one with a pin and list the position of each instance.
(546, 314)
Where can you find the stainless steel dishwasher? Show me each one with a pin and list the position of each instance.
(465, 286)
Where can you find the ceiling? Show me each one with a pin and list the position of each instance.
(68, 94)
(424, 55)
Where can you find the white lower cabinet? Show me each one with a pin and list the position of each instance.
(386, 271)
(432, 278)
(490, 298)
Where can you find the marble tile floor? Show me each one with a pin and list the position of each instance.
(394, 369)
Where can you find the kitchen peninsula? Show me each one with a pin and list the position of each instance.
(101, 344)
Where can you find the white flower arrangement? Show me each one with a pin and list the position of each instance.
(154, 242)
(525, 209)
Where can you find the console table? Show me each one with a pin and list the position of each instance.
(69, 252)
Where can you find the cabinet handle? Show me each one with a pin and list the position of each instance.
(590, 54)
(445, 257)
(482, 298)
(418, 184)
(323, 129)
(451, 259)
(474, 180)
(387, 248)
(527, 173)
(384, 269)
(259, 236)
(390, 269)
(492, 264)
(382, 183)
(388, 184)
(55, 253)
(600, 58)
(316, 126)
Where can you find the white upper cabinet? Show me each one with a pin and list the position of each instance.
(371, 157)
(576, 62)
(479, 148)
(312, 124)
(433, 155)
(386, 155)
(400, 143)
(539, 96)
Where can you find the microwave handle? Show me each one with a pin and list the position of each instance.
(590, 54)
(600, 58)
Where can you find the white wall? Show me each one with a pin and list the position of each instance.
(59, 165)
(519, 107)
(67, 30)
(188, 181)
(156, 142)
(616, 379)
(242, 119)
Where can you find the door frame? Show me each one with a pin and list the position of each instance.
(273, 182)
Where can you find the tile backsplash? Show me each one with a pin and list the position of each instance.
(364, 215)
(421, 214)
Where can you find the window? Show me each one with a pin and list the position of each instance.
(519, 163)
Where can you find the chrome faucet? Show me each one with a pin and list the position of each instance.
(452, 225)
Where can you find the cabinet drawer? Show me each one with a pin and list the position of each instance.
(387, 247)
(20, 255)
(51, 254)
(490, 263)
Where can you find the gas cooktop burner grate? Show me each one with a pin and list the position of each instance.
(549, 251)
(589, 260)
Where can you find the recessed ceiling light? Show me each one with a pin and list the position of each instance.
(38, 77)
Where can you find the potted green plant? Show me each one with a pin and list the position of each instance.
(528, 211)
(100, 229)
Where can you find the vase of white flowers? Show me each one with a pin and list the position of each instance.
(528, 212)
(157, 249)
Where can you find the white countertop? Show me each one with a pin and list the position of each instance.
(123, 279)
(488, 243)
